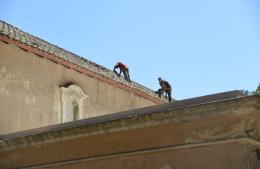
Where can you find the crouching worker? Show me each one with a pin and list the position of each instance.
(165, 87)
(122, 68)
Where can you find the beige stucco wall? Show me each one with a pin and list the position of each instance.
(220, 156)
(30, 95)
(216, 135)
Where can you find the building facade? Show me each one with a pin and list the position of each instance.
(42, 84)
(61, 111)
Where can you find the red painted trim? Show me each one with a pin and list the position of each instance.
(79, 69)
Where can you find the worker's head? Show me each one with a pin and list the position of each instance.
(159, 78)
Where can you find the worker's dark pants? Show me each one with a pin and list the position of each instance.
(169, 94)
(126, 74)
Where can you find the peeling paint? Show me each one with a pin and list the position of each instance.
(13, 79)
(30, 100)
(2, 72)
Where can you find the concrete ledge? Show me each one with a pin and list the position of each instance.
(130, 113)
(153, 128)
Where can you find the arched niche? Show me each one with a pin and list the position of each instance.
(72, 103)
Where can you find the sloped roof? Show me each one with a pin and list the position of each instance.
(11, 32)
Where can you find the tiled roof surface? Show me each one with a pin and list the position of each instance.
(35, 42)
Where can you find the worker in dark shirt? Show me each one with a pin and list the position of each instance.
(123, 68)
(165, 87)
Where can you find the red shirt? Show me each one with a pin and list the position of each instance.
(121, 65)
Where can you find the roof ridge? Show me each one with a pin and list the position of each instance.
(23, 37)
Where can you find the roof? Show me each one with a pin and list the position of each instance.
(11, 32)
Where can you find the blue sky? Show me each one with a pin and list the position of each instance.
(201, 47)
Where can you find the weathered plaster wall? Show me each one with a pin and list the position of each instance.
(222, 156)
(216, 135)
(30, 92)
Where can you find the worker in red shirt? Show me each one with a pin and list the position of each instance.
(123, 68)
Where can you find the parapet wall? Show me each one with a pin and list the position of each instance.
(211, 134)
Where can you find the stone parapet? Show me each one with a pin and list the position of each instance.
(167, 127)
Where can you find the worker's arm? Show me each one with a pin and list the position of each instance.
(115, 68)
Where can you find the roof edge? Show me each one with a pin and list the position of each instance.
(101, 125)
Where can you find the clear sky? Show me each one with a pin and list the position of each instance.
(199, 46)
